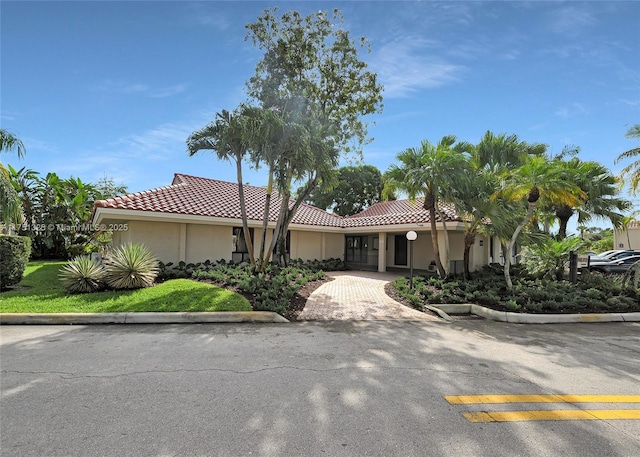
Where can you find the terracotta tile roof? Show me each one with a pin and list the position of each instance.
(191, 195)
(196, 196)
(397, 212)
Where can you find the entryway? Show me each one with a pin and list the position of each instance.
(357, 295)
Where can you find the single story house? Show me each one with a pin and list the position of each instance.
(196, 219)
(628, 237)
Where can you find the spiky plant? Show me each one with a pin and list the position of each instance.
(82, 275)
(131, 266)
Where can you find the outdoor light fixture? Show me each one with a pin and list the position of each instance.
(411, 236)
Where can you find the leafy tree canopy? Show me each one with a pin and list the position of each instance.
(350, 190)
(311, 66)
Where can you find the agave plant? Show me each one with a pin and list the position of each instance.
(82, 275)
(131, 266)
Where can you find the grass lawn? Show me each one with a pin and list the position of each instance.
(44, 293)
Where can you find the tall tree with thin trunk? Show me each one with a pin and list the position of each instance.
(431, 171)
(10, 208)
(632, 171)
(600, 189)
(231, 137)
(537, 178)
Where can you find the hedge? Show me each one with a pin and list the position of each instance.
(14, 255)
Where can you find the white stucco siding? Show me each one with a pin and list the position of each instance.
(479, 255)
(422, 251)
(306, 245)
(627, 239)
(208, 242)
(333, 246)
(162, 239)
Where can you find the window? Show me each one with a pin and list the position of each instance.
(287, 247)
(240, 250)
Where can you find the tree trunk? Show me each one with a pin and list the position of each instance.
(469, 241)
(563, 213)
(447, 249)
(243, 211)
(265, 215)
(434, 243)
(512, 242)
(280, 238)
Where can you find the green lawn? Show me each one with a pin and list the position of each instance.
(46, 295)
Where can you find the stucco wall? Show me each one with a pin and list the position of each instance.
(479, 254)
(172, 242)
(422, 251)
(306, 245)
(162, 238)
(622, 241)
(334, 245)
(208, 242)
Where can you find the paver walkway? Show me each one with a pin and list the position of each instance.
(357, 295)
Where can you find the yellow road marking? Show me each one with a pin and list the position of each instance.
(557, 415)
(487, 399)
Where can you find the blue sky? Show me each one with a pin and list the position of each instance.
(115, 88)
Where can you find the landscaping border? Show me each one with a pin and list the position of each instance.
(527, 318)
(141, 318)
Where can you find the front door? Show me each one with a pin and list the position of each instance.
(400, 250)
(354, 249)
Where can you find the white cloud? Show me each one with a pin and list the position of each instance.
(404, 67)
(574, 109)
(127, 88)
(571, 20)
(209, 15)
(632, 103)
(159, 143)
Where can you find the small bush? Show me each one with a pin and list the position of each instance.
(14, 256)
(131, 266)
(82, 275)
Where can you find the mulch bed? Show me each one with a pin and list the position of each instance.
(391, 292)
(300, 298)
(297, 303)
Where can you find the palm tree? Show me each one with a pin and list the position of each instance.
(633, 169)
(309, 156)
(9, 142)
(231, 138)
(501, 152)
(476, 208)
(10, 208)
(491, 157)
(537, 178)
(433, 171)
(600, 189)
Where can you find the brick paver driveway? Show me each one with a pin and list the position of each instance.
(357, 295)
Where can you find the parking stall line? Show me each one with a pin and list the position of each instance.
(553, 415)
(542, 398)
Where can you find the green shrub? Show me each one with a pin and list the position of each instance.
(82, 275)
(131, 266)
(14, 256)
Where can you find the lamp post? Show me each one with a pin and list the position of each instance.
(411, 236)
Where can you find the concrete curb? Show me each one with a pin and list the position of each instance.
(140, 318)
(522, 318)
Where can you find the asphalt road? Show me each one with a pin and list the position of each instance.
(312, 389)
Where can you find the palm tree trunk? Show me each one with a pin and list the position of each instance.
(447, 249)
(265, 216)
(430, 205)
(469, 241)
(434, 244)
(563, 213)
(512, 242)
(243, 211)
